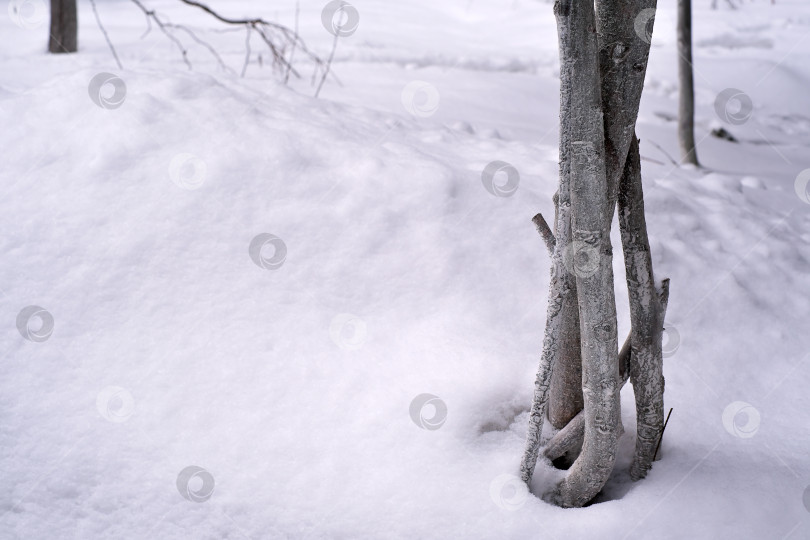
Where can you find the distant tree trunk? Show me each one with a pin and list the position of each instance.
(686, 109)
(64, 27)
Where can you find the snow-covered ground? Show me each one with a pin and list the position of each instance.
(292, 379)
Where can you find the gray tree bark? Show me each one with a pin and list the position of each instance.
(622, 64)
(686, 107)
(569, 439)
(561, 310)
(602, 66)
(582, 147)
(64, 27)
(565, 399)
(647, 309)
(623, 59)
(565, 393)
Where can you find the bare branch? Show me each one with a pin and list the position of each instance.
(661, 438)
(670, 158)
(328, 64)
(288, 34)
(220, 17)
(106, 37)
(544, 230)
(205, 44)
(651, 160)
(247, 49)
(292, 51)
(277, 37)
(151, 15)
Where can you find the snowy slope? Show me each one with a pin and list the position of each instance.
(290, 386)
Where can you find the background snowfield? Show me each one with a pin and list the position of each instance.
(403, 276)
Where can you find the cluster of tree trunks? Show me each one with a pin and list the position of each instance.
(603, 62)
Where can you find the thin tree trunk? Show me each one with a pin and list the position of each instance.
(565, 390)
(591, 213)
(623, 57)
(565, 398)
(561, 303)
(647, 309)
(64, 27)
(686, 108)
(561, 339)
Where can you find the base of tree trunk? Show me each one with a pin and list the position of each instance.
(603, 60)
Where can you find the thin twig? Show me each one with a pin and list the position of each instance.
(661, 438)
(205, 44)
(328, 64)
(288, 34)
(150, 14)
(277, 56)
(277, 37)
(247, 50)
(106, 37)
(292, 51)
(220, 17)
(644, 158)
(671, 159)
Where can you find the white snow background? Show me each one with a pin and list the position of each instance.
(290, 387)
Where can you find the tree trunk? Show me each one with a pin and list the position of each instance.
(565, 394)
(622, 62)
(582, 147)
(565, 390)
(623, 56)
(686, 109)
(569, 439)
(603, 62)
(64, 27)
(647, 308)
(561, 310)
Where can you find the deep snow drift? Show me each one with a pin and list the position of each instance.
(287, 373)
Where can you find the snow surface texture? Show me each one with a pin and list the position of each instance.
(246, 280)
